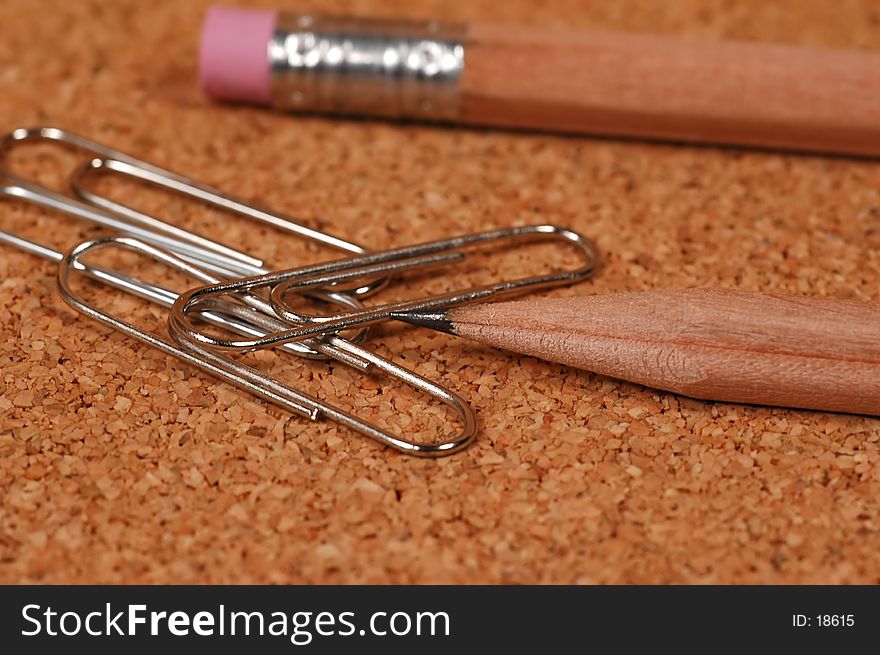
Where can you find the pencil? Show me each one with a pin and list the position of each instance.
(528, 77)
(711, 344)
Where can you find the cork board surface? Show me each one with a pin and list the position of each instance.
(118, 464)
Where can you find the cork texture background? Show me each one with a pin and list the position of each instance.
(118, 464)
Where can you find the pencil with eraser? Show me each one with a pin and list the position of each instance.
(620, 84)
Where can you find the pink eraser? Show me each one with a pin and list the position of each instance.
(234, 55)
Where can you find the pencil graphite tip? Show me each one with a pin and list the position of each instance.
(435, 320)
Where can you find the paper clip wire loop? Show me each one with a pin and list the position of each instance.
(408, 257)
(260, 384)
(107, 159)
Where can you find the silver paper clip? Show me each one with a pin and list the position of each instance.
(107, 212)
(308, 278)
(254, 381)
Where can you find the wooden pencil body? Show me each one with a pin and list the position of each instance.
(673, 88)
(713, 344)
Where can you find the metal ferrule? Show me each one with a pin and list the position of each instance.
(390, 68)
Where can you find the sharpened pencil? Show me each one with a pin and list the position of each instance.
(712, 344)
